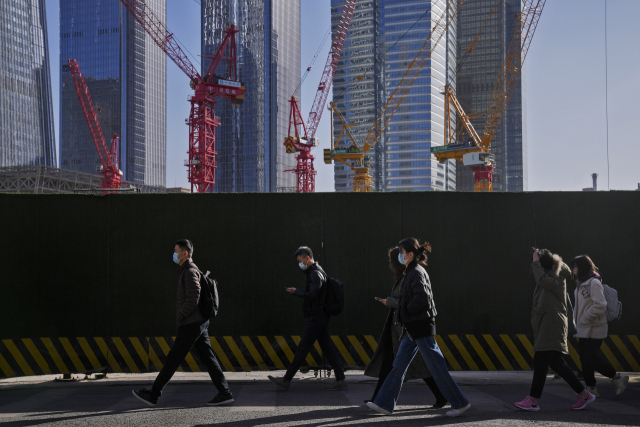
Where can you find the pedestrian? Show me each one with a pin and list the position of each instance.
(550, 329)
(316, 325)
(193, 331)
(591, 325)
(382, 362)
(417, 315)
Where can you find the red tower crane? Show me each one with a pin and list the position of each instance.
(202, 121)
(305, 173)
(109, 159)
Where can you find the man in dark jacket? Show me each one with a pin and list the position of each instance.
(317, 322)
(193, 331)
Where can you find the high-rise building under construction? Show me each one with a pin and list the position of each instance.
(126, 75)
(251, 155)
(383, 39)
(27, 135)
(477, 76)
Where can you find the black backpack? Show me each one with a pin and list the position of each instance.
(209, 302)
(333, 297)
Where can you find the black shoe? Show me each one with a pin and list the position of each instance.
(439, 404)
(221, 399)
(280, 382)
(145, 396)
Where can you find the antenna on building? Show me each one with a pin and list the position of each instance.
(594, 176)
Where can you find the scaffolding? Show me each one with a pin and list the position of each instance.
(49, 180)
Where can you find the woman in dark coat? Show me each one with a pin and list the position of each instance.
(382, 362)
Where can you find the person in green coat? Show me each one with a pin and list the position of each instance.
(550, 329)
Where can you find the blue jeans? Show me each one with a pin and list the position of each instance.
(388, 394)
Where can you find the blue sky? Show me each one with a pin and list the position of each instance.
(565, 83)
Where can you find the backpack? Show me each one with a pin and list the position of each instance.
(333, 302)
(614, 307)
(209, 302)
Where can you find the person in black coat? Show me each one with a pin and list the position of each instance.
(382, 362)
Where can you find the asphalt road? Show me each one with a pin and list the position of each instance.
(257, 402)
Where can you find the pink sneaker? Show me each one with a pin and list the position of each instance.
(583, 401)
(527, 405)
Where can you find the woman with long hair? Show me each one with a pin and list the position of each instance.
(417, 316)
(591, 325)
(382, 362)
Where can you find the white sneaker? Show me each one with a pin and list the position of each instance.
(378, 408)
(620, 384)
(459, 411)
(593, 391)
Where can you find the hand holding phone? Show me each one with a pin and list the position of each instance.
(378, 299)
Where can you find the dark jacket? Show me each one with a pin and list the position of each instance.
(389, 343)
(416, 304)
(549, 308)
(314, 290)
(187, 310)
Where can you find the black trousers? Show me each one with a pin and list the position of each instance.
(191, 335)
(316, 328)
(542, 360)
(591, 361)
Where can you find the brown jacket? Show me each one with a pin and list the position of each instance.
(187, 310)
(549, 310)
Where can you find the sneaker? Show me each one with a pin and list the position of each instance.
(338, 385)
(459, 411)
(593, 391)
(145, 396)
(583, 401)
(281, 382)
(527, 404)
(221, 399)
(620, 383)
(439, 404)
(378, 408)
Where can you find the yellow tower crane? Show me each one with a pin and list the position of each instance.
(476, 153)
(353, 156)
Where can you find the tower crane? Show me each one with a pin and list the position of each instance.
(303, 139)
(355, 153)
(476, 152)
(202, 121)
(108, 158)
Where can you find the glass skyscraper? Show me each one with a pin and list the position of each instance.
(126, 75)
(477, 75)
(26, 114)
(249, 141)
(384, 37)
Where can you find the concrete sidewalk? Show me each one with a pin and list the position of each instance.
(462, 378)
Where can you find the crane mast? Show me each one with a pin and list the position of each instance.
(305, 172)
(477, 154)
(202, 121)
(362, 181)
(108, 158)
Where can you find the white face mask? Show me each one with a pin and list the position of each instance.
(401, 259)
(302, 266)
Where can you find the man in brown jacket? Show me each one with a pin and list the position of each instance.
(193, 331)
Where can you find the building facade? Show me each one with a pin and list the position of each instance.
(384, 37)
(477, 76)
(126, 75)
(251, 155)
(27, 134)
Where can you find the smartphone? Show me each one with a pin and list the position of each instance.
(378, 299)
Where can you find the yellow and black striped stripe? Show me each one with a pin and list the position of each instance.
(40, 356)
